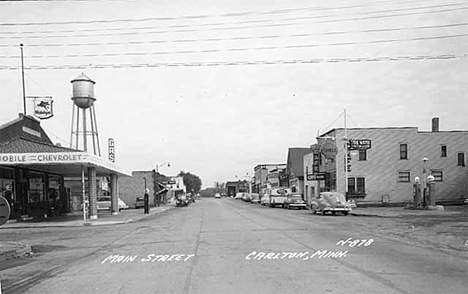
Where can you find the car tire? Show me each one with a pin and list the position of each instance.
(345, 213)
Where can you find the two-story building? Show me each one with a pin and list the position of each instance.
(383, 163)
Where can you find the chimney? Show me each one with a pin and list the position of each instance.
(435, 124)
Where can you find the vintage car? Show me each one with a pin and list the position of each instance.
(181, 200)
(254, 198)
(330, 202)
(294, 201)
(265, 200)
(140, 202)
(278, 195)
(104, 203)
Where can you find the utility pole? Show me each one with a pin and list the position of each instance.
(22, 77)
(346, 156)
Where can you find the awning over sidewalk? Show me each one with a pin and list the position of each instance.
(67, 164)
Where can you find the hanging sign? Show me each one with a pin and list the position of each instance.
(359, 144)
(43, 107)
(329, 150)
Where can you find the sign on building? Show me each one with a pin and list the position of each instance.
(316, 177)
(363, 144)
(329, 150)
(111, 150)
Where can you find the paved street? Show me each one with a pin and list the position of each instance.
(229, 246)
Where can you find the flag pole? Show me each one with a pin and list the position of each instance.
(22, 78)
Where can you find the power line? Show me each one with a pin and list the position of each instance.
(228, 23)
(235, 27)
(234, 14)
(240, 49)
(240, 38)
(241, 63)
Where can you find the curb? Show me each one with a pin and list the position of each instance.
(85, 224)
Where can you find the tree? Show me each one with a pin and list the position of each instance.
(191, 181)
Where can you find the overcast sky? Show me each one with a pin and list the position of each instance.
(219, 120)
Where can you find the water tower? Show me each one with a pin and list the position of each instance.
(83, 102)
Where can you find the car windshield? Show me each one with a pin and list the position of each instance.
(296, 197)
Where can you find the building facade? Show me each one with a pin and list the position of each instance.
(267, 176)
(295, 168)
(383, 163)
(34, 172)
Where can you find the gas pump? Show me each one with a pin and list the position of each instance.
(416, 193)
(431, 191)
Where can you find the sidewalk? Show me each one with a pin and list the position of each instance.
(401, 211)
(11, 249)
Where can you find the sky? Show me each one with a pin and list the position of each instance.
(218, 87)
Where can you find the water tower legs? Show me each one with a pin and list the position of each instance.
(89, 128)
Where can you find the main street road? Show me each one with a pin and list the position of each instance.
(229, 246)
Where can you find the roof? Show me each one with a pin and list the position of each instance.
(22, 145)
(83, 77)
(296, 160)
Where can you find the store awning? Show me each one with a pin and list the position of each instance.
(67, 164)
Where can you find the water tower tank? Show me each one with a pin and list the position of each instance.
(83, 91)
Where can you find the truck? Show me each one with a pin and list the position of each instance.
(330, 202)
(278, 195)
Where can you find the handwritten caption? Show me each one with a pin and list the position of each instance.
(147, 258)
(318, 254)
(355, 243)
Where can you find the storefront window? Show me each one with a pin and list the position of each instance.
(36, 188)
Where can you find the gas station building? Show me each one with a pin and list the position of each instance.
(34, 173)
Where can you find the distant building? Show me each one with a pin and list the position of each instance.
(389, 159)
(234, 187)
(134, 186)
(295, 168)
(267, 176)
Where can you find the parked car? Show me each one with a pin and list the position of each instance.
(246, 197)
(254, 198)
(181, 200)
(239, 195)
(104, 203)
(265, 199)
(295, 201)
(331, 202)
(140, 202)
(278, 195)
(217, 195)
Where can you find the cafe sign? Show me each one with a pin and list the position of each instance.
(316, 177)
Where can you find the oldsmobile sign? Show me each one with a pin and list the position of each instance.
(26, 158)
